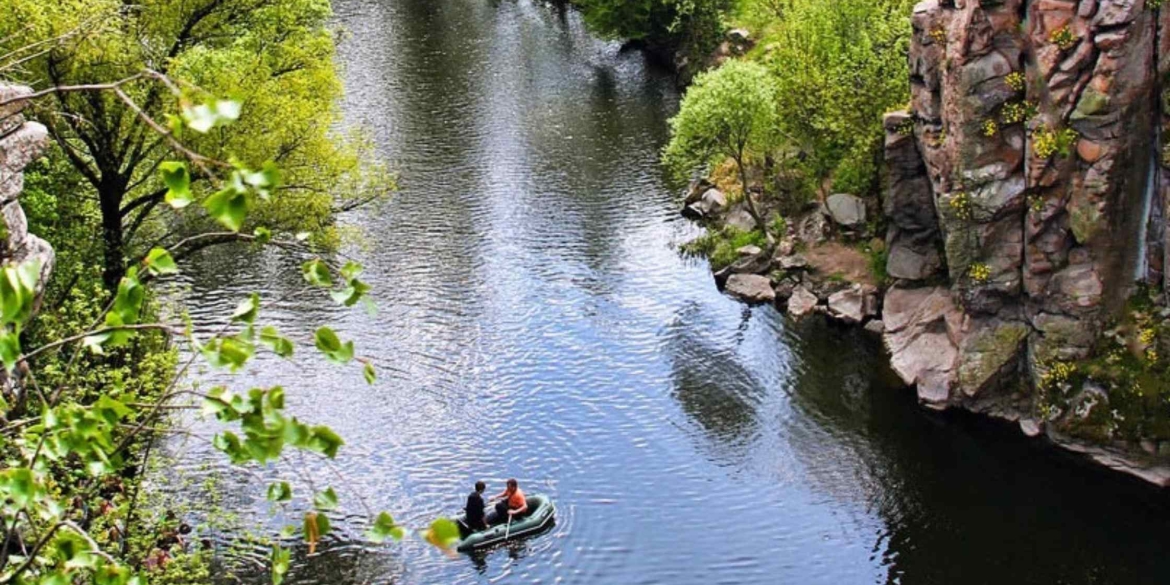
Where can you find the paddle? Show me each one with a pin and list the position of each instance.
(508, 529)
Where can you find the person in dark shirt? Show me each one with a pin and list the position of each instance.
(475, 507)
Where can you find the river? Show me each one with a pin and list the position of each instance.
(535, 320)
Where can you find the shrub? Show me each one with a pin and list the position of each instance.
(1048, 142)
(1063, 37)
(960, 205)
(979, 273)
(721, 247)
(1017, 112)
(1016, 80)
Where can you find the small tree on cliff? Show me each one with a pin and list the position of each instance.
(728, 112)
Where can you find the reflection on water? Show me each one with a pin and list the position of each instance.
(535, 321)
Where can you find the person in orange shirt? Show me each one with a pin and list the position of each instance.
(511, 503)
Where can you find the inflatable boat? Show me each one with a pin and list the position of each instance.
(541, 512)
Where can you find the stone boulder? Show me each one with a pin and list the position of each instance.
(920, 324)
(740, 218)
(854, 304)
(802, 302)
(751, 288)
(752, 260)
(791, 262)
(711, 203)
(847, 210)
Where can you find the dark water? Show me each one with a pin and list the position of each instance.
(535, 321)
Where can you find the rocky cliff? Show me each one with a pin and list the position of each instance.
(1028, 193)
(21, 142)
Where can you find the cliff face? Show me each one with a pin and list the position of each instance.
(21, 142)
(1027, 191)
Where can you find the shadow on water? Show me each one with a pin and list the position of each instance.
(965, 500)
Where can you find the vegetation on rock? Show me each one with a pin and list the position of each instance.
(1123, 392)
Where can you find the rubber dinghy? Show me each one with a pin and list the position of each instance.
(541, 512)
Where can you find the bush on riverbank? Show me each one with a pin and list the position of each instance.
(720, 247)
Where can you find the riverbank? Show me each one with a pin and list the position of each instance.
(991, 280)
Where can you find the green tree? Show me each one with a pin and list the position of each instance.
(691, 25)
(275, 57)
(728, 112)
(838, 66)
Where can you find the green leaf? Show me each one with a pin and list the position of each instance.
(263, 235)
(383, 528)
(247, 309)
(94, 342)
(368, 372)
(227, 110)
(178, 181)
(274, 398)
(19, 486)
(18, 291)
(350, 295)
(159, 261)
(351, 270)
(203, 117)
(272, 339)
(323, 525)
(443, 533)
(229, 443)
(317, 273)
(323, 440)
(326, 500)
(264, 180)
(230, 352)
(110, 409)
(200, 118)
(280, 564)
(279, 492)
(219, 403)
(330, 345)
(129, 299)
(229, 207)
(9, 350)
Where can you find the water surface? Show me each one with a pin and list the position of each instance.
(536, 321)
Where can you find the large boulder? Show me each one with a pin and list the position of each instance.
(912, 263)
(854, 304)
(802, 302)
(847, 210)
(712, 202)
(740, 218)
(919, 324)
(752, 260)
(751, 288)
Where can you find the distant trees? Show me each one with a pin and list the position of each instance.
(838, 66)
(728, 112)
(687, 25)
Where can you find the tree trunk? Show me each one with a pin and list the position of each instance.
(110, 194)
(747, 196)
